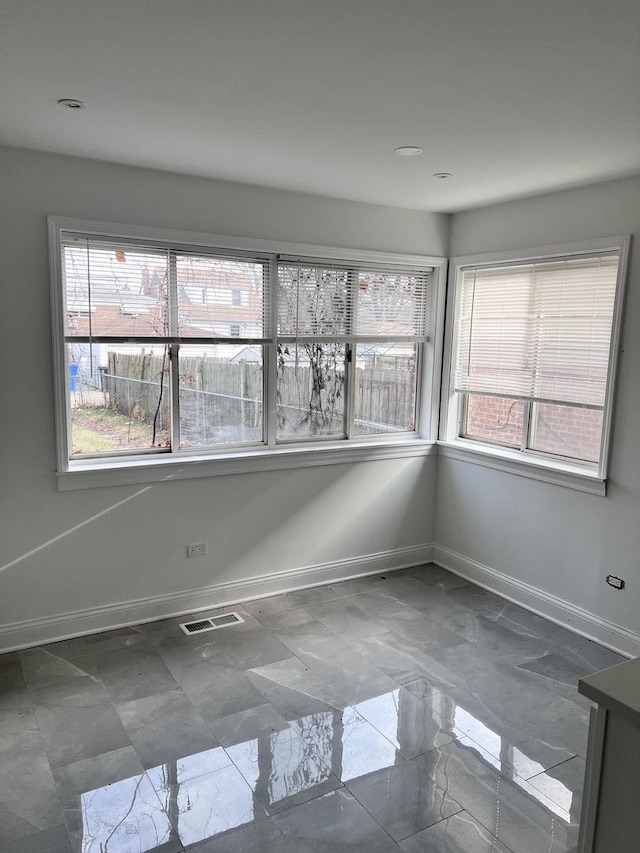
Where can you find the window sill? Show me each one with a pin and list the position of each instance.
(512, 462)
(89, 474)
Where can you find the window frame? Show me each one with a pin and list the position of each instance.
(144, 467)
(584, 476)
(351, 338)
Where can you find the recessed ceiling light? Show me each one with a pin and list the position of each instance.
(408, 151)
(442, 175)
(72, 103)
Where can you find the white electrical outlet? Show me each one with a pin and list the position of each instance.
(198, 549)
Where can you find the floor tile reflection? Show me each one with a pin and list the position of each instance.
(287, 767)
(74, 780)
(522, 817)
(563, 785)
(346, 743)
(403, 799)
(410, 725)
(124, 816)
(405, 711)
(205, 806)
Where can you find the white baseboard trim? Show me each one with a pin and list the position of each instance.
(35, 632)
(545, 604)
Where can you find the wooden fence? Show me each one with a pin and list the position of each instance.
(218, 397)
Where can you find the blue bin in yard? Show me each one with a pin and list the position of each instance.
(73, 376)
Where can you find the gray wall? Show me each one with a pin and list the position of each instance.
(556, 539)
(255, 523)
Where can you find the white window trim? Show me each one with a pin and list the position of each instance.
(90, 474)
(108, 471)
(528, 463)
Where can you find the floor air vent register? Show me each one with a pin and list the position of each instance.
(225, 620)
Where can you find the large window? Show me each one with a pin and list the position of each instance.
(158, 355)
(350, 344)
(167, 350)
(533, 346)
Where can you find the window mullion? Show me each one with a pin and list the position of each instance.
(174, 388)
(350, 359)
(526, 425)
(462, 411)
(349, 389)
(270, 359)
(174, 358)
(420, 356)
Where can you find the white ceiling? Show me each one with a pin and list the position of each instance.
(514, 97)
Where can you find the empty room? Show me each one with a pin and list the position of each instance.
(320, 494)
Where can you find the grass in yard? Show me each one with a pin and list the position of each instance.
(100, 430)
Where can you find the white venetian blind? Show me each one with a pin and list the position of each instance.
(124, 290)
(314, 301)
(333, 302)
(114, 289)
(537, 331)
(393, 304)
(221, 297)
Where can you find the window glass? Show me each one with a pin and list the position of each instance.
(385, 388)
(118, 397)
(567, 431)
(219, 298)
(496, 419)
(313, 301)
(168, 349)
(220, 394)
(115, 290)
(311, 390)
(391, 304)
(534, 345)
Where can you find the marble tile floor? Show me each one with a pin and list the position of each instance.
(403, 712)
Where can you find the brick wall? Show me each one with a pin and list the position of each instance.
(568, 431)
(495, 419)
(561, 430)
